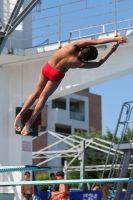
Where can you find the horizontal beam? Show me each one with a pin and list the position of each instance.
(66, 181)
(49, 156)
(54, 151)
(93, 170)
(97, 166)
(22, 168)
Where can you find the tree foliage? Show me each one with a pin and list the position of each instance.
(40, 177)
(94, 157)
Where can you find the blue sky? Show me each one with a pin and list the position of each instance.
(114, 93)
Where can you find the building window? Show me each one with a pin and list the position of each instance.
(63, 129)
(77, 110)
(59, 103)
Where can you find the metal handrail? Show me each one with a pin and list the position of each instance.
(100, 25)
(60, 32)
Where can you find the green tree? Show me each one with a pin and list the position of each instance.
(40, 177)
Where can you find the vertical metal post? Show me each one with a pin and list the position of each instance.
(65, 170)
(36, 191)
(39, 6)
(129, 188)
(103, 28)
(59, 27)
(128, 23)
(82, 163)
(127, 154)
(10, 50)
(86, 4)
(70, 36)
(79, 34)
(115, 19)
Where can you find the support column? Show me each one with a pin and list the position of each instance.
(82, 163)
(65, 170)
(129, 188)
(127, 154)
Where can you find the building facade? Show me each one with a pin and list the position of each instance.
(66, 115)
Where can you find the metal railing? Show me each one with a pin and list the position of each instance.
(77, 19)
(103, 28)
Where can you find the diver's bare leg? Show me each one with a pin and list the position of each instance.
(47, 91)
(30, 100)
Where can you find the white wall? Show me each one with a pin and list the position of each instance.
(11, 152)
(12, 89)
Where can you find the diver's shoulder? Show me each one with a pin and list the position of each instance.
(70, 47)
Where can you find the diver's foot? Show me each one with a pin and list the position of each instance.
(26, 129)
(17, 123)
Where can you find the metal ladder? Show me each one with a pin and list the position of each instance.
(121, 155)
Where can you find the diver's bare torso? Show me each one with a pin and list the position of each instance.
(66, 58)
(27, 189)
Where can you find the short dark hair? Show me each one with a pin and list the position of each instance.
(89, 53)
(52, 174)
(60, 174)
(27, 173)
(56, 187)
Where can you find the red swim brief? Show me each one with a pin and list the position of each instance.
(63, 196)
(55, 198)
(51, 73)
